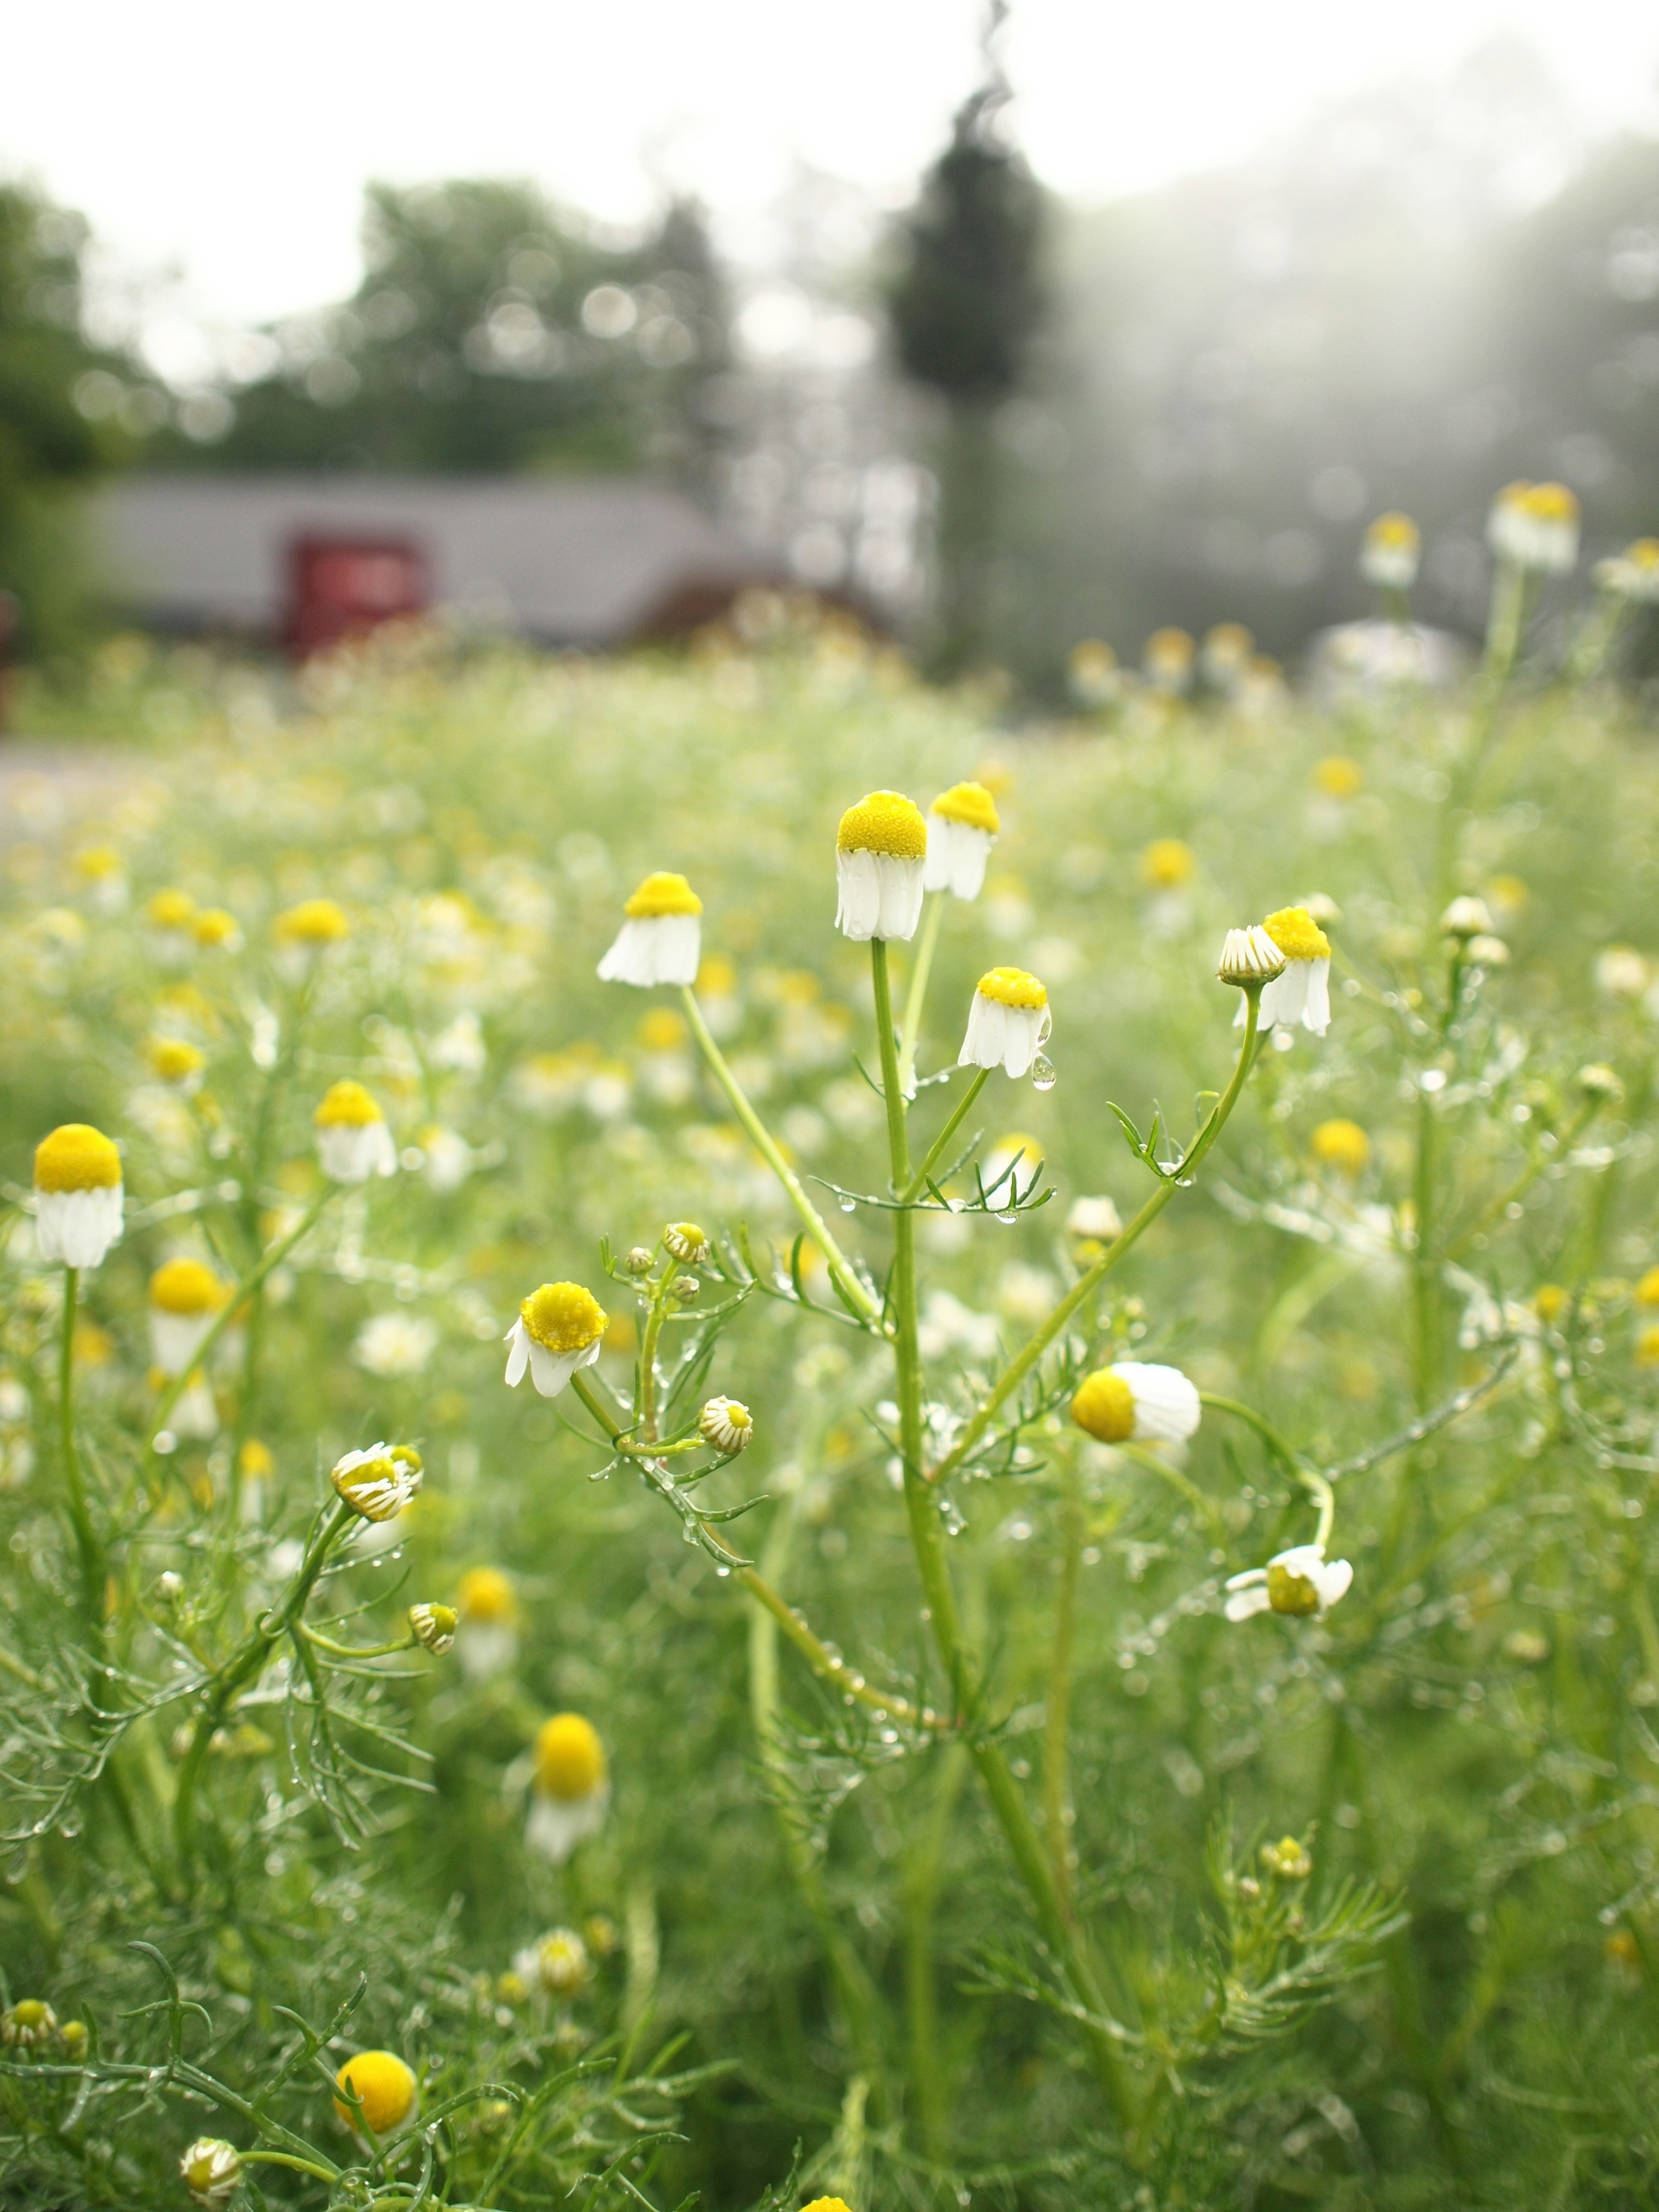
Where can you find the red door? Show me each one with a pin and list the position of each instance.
(342, 587)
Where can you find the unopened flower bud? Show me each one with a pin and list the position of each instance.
(1466, 917)
(685, 1288)
(433, 1626)
(27, 2022)
(169, 1589)
(686, 1241)
(1597, 1081)
(212, 2168)
(727, 1426)
(379, 1482)
(73, 2037)
(1485, 951)
(1288, 1859)
(638, 1262)
(1249, 956)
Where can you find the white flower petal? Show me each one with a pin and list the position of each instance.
(518, 1358)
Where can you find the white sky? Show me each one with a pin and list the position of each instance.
(231, 141)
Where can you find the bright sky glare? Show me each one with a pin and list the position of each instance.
(232, 143)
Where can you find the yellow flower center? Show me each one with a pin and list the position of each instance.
(660, 894)
(1104, 1407)
(1296, 934)
(97, 863)
(77, 1156)
(31, 2012)
(1167, 864)
(1289, 1592)
(563, 1316)
(313, 921)
(1643, 554)
(214, 925)
(970, 803)
(384, 2086)
(1550, 502)
(174, 1060)
(828, 2204)
(1338, 776)
(1170, 648)
(1341, 1144)
(255, 1460)
(884, 822)
(569, 1758)
(1012, 986)
(662, 1030)
(171, 910)
(486, 1595)
(186, 1286)
(717, 978)
(1398, 532)
(1228, 642)
(346, 1106)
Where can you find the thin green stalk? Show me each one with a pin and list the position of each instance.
(1314, 1483)
(1056, 1754)
(1086, 1284)
(646, 1399)
(915, 998)
(918, 1182)
(1425, 1278)
(928, 1543)
(824, 1662)
(923, 1878)
(852, 1289)
(273, 1257)
(75, 1485)
(243, 1665)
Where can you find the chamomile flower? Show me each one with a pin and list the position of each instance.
(31, 2021)
(1301, 1583)
(1389, 554)
(1225, 652)
(1137, 1401)
(1248, 956)
(1302, 993)
(487, 1607)
(353, 1141)
(78, 1195)
(1094, 1222)
(186, 1297)
(962, 825)
(560, 1329)
(433, 1627)
(570, 1786)
(1341, 1144)
(1096, 678)
(395, 1344)
(168, 916)
(687, 1242)
(1465, 918)
(384, 2088)
(727, 1426)
(1168, 657)
(216, 930)
(661, 939)
(212, 2171)
(378, 1481)
(557, 1964)
(1008, 1022)
(881, 856)
(177, 1062)
(1633, 574)
(1535, 527)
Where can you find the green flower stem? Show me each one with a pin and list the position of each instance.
(928, 1543)
(1056, 1757)
(918, 1182)
(286, 2158)
(1086, 1284)
(646, 1397)
(241, 1668)
(1523, 1183)
(852, 1291)
(922, 1882)
(1181, 1484)
(1315, 1485)
(1425, 1273)
(321, 1643)
(916, 997)
(74, 1484)
(250, 1282)
(818, 1655)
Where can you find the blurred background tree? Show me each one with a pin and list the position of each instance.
(49, 449)
(965, 305)
(491, 332)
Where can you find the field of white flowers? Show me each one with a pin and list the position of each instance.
(1076, 1632)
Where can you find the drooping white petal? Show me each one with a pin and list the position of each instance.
(1247, 1594)
(1167, 1409)
(558, 1825)
(1316, 1008)
(651, 949)
(551, 1371)
(857, 896)
(518, 1357)
(900, 883)
(75, 1228)
(956, 857)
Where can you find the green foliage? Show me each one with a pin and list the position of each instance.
(47, 449)
(884, 1904)
(465, 346)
